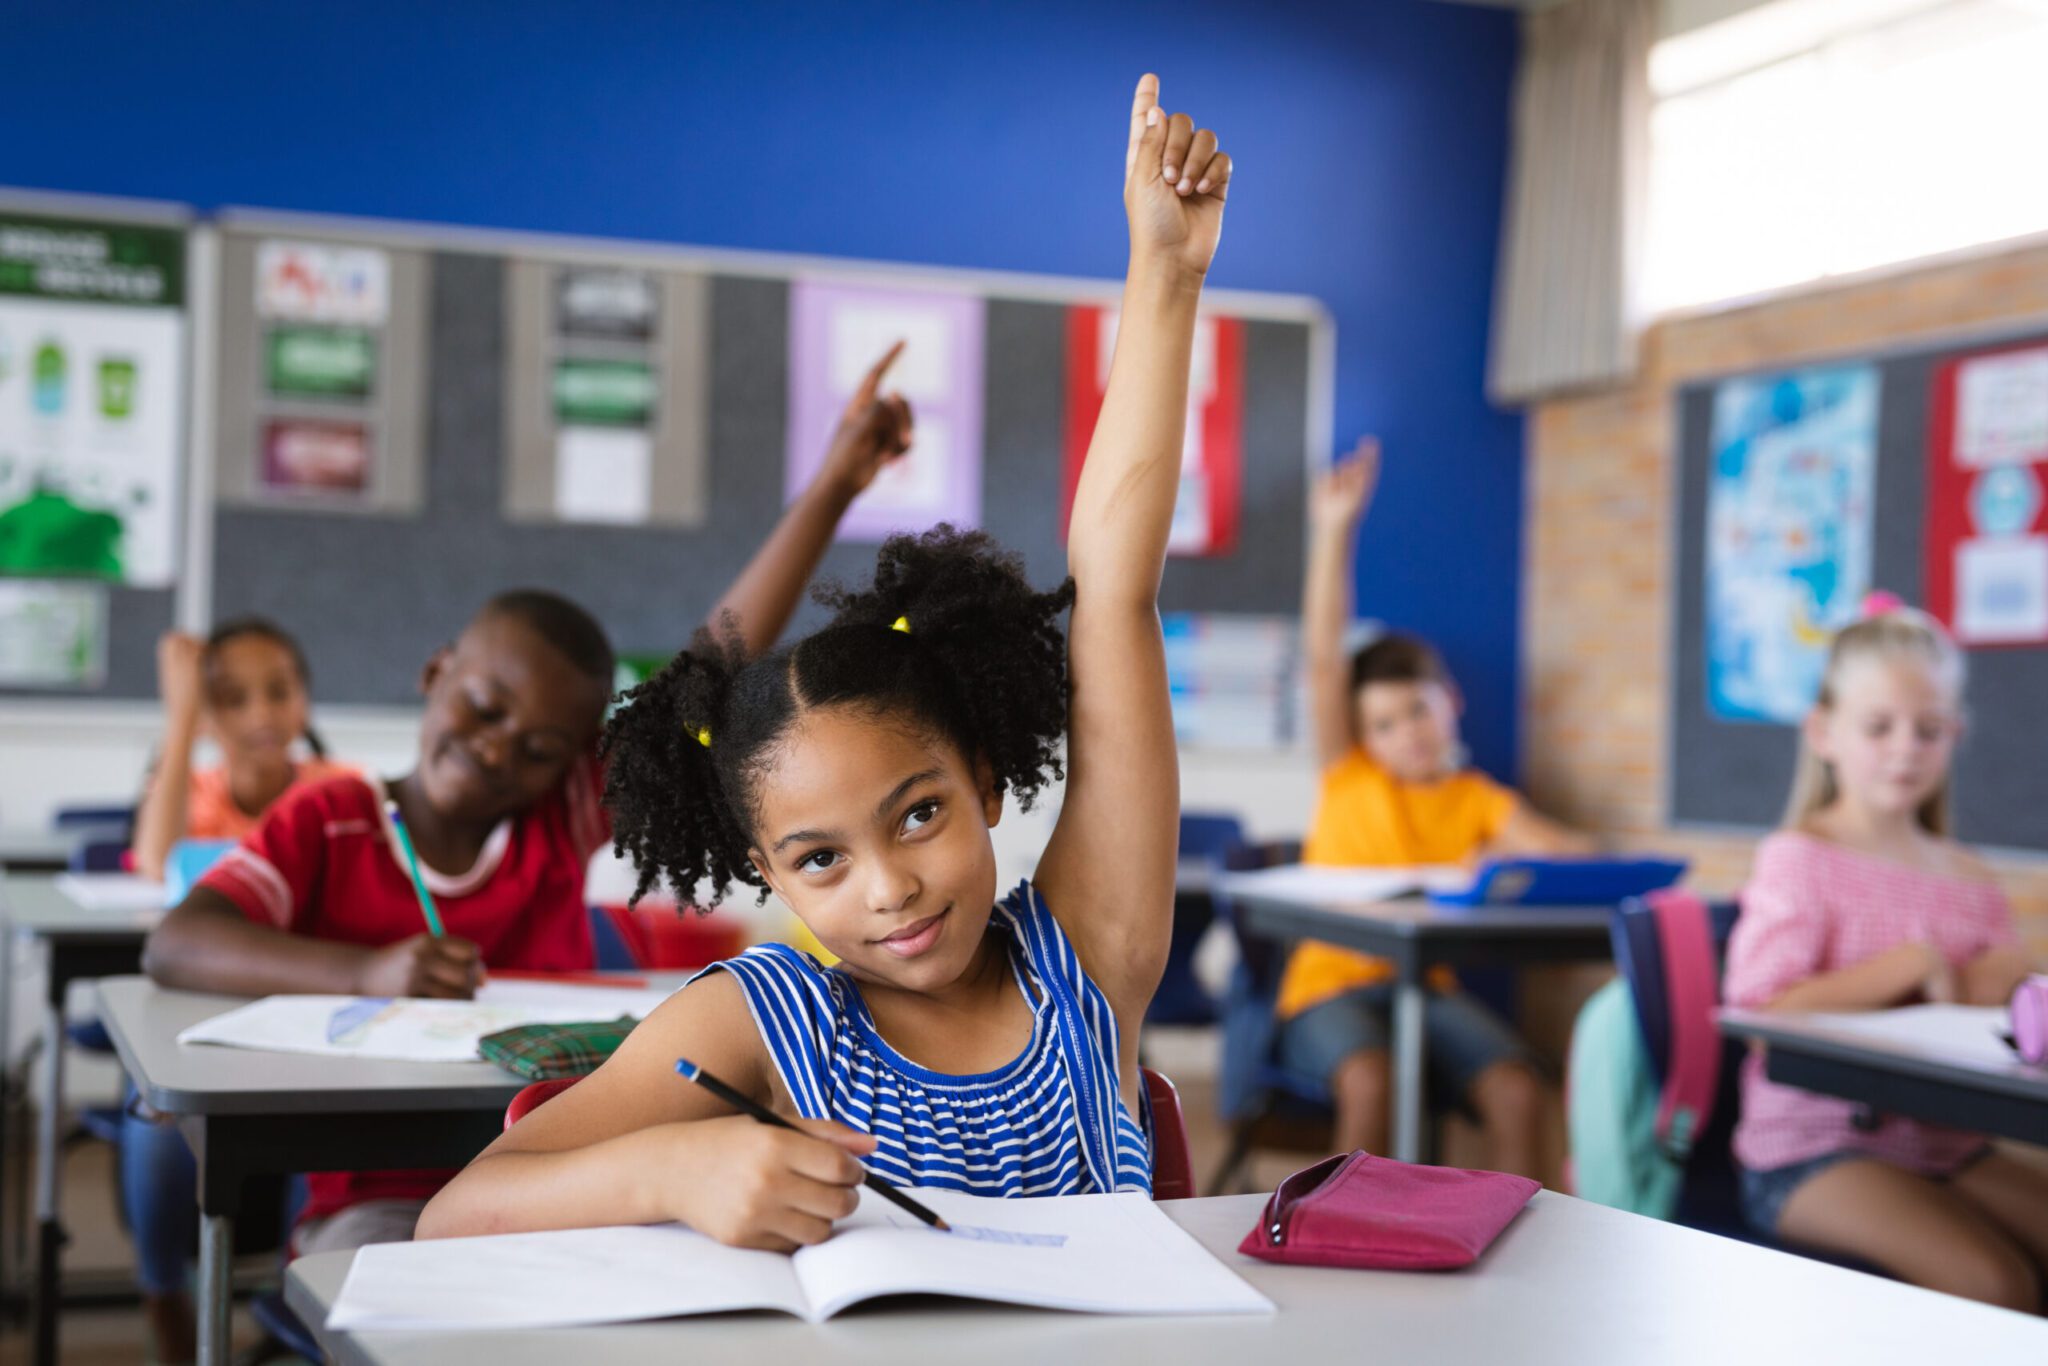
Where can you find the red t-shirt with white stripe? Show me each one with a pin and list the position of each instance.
(1812, 907)
(325, 861)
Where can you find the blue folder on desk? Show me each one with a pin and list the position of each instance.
(1562, 882)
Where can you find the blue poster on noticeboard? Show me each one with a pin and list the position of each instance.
(1789, 507)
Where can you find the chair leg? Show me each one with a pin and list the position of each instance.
(1226, 1180)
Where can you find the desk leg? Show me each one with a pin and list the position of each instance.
(49, 1156)
(216, 1271)
(1411, 1097)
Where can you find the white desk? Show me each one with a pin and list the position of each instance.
(30, 850)
(1930, 1062)
(269, 1114)
(82, 942)
(1568, 1284)
(1416, 934)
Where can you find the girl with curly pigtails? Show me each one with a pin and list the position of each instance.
(969, 1038)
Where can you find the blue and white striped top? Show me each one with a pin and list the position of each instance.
(1050, 1122)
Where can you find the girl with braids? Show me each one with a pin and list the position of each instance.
(504, 809)
(967, 1040)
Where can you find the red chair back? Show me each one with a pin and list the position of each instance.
(532, 1097)
(1173, 1170)
(665, 939)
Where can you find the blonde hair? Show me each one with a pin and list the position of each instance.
(1896, 633)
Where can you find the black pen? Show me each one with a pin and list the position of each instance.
(747, 1106)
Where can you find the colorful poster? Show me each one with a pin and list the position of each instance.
(314, 282)
(320, 458)
(1205, 512)
(836, 334)
(1789, 514)
(91, 398)
(1986, 538)
(52, 634)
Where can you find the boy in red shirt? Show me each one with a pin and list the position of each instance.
(503, 809)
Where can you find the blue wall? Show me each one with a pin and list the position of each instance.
(1370, 137)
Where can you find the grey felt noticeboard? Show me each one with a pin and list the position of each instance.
(1739, 773)
(372, 596)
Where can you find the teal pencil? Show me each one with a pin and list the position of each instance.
(412, 865)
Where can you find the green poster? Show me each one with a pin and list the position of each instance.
(606, 393)
(92, 262)
(321, 362)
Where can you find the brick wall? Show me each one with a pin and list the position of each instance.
(1600, 522)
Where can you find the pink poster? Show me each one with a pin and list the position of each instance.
(838, 331)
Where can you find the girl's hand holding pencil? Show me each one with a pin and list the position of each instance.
(777, 1185)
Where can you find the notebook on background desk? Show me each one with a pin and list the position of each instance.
(1559, 881)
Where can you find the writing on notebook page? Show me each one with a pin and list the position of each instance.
(977, 1233)
(1010, 1237)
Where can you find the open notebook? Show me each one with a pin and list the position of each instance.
(411, 1030)
(1103, 1254)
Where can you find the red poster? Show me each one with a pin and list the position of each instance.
(1205, 516)
(1986, 538)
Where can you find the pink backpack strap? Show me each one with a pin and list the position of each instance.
(1692, 1073)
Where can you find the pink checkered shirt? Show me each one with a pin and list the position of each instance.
(1813, 907)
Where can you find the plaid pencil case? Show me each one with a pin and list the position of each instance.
(544, 1052)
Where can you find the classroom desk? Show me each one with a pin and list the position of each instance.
(249, 1113)
(82, 942)
(1418, 934)
(26, 850)
(1570, 1283)
(1970, 1084)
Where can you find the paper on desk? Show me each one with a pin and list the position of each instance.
(1969, 1031)
(111, 891)
(1095, 1253)
(1314, 882)
(412, 1030)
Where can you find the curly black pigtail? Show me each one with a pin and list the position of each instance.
(669, 807)
(990, 643)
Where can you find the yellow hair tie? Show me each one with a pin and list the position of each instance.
(901, 624)
(704, 738)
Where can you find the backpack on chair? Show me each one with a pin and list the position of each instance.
(1648, 1089)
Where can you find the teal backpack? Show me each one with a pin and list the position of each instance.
(1646, 1057)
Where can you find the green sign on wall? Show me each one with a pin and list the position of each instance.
(106, 263)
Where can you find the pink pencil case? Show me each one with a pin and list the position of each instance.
(2030, 1019)
(1358, 1210)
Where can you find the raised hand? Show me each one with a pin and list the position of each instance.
(874, 430)
(1343, 492)
(1175, 182)
(180, 674)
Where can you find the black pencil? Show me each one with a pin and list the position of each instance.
(746, 1105)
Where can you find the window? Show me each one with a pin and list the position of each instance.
(1810, 138)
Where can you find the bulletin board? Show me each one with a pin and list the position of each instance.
(372, 586)
(1929, 510)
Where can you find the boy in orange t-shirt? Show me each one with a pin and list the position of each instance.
(1394, 794)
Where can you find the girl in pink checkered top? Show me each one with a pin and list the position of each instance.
(1861, 903)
